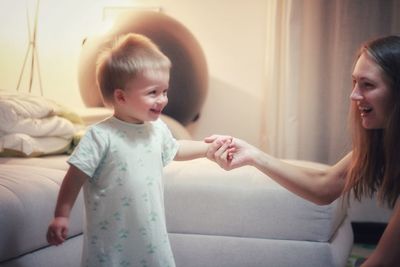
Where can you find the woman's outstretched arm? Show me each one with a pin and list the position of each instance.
(320, 187)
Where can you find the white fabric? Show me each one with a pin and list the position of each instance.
(30, 125)
(32, 115)
(124, 196)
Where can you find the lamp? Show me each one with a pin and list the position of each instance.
(32, 50)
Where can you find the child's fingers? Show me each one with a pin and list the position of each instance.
(211, 138)
(64, 233)
(52, 237)
(212, 150)
(59, 236)
(217, 138)
(56, 236)
(49, 236)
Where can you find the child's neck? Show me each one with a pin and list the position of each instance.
(127, 119)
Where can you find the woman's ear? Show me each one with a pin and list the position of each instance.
(119, 96)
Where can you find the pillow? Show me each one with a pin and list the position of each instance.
(32, 125)
(23, 145)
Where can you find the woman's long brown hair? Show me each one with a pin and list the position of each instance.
(375, 166)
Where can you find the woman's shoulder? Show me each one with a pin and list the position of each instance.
(342, 166)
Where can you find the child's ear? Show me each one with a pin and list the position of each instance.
(119, 95)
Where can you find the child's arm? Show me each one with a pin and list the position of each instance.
(70, 187)
(189, 149)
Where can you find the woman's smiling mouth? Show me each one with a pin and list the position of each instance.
(364, 110)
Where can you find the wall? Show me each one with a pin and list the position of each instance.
(232, 34)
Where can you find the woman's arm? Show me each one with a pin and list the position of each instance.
(387, 252)
(320, 187)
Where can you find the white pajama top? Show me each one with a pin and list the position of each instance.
(124, 203)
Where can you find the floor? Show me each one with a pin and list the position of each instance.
(359, 253)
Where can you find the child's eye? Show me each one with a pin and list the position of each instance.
(153, 92)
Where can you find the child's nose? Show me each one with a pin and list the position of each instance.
(162, 99)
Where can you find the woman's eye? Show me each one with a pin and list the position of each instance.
(368, 85)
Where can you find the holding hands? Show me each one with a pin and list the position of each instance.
(229, 152)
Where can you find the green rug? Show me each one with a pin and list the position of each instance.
(358, 254)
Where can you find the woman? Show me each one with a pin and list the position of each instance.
(373, 165)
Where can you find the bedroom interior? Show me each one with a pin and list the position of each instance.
(248, 70)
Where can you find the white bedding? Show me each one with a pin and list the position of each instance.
(34, 126)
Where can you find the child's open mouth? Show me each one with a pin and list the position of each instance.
(156, 111)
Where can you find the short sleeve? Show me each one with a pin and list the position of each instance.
(169, 144)
(90, 151)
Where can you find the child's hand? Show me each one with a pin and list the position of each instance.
(232, 153)
(57, 231)
(221, 149)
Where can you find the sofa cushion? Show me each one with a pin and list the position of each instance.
(58, 162)
(202, 198)
(27, 199)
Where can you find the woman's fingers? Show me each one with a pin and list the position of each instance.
(222, 154)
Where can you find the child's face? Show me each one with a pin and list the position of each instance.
(144, 98)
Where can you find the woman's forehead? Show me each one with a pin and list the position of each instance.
(367, 68)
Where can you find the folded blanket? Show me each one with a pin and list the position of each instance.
(33, 125)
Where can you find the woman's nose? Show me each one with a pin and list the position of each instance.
(356, 94)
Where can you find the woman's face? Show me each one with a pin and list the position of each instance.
(371, 92)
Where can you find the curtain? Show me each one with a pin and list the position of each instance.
(310, 49)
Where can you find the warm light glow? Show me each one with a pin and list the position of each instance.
(104, 27)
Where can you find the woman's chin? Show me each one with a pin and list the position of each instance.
(369, 125)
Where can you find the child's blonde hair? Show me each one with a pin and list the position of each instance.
(130, 55)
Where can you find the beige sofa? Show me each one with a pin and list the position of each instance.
(215, 218)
